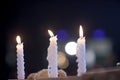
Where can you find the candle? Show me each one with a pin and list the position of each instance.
(20, 59)
(52, 56)
(80, 53)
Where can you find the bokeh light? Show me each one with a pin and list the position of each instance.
(70, 48)
(99, 34)
(62, 35)
(90, 58)
(63, 62)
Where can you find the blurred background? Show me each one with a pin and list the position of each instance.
(31, 20)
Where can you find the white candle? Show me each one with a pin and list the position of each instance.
(81, 56)
(52, 56)
(20, 59)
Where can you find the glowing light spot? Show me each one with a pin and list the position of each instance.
(99, 34)
(62, 60)
(62, 35)
(70, 48)
(90, 58)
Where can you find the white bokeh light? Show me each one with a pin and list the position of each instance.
(70, 48)
(90, 58)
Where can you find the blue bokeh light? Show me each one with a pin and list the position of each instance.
(99, 34)
(62, 35)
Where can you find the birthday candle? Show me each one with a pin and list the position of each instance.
(52, 56)
(80, 54)
(20, 59)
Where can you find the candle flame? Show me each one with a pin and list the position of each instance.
(80, 31)
(50, 33)
(18, 39)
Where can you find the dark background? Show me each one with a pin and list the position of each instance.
(31, 20)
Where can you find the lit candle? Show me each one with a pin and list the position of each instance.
(81, 57)
(20, 59)
(52, 56)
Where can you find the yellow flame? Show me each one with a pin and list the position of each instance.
(50, 33)
(18, 39)
(80, 31)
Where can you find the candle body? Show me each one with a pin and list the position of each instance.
(81, 56)
(52, 57)
(20, 62)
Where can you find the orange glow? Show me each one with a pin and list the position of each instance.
(18, 39)
(50, 33)
(80, 31)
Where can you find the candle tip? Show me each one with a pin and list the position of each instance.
(50, 33)
(80, 31)
(18, 39)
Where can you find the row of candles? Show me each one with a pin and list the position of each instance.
(53, 55)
